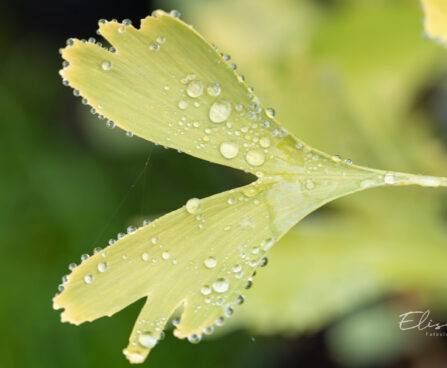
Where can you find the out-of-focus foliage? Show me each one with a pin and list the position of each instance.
(436, 18)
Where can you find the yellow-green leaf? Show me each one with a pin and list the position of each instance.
(436, 18)
(165, 83)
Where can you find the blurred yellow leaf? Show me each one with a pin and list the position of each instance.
(436, 18)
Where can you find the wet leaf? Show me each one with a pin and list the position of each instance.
(166, 84)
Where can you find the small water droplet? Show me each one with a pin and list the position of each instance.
(165, 255)
(231, 200)
(145, 256)
(194, 339)
(193, 206)
(389, 179)
(175, 13)
(255, 158)
(102, 266)
(182, 105)
(209, 330)
(221, 285)
(84, 257)
(205, 290)
(110, 124)
(264, 142)
(194, 89)
(129, 134)
(106, 65)
(147, 340)
(161, 39)
(264, 262)
(271, 113)
(213, 89)
(88, 278)
(176, 322)
(131, 229)
(267, 244)
(229, 150)
(72, 266)
(236, 268)
(154, 46)
(210, 262)
(155, 240)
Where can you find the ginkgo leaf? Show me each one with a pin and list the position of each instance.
(435, 18)
(165, 83)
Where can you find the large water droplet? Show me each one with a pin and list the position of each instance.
(221, 285)
(194, 89)
(220, 111)
(210, 262)
(229, 150)
(255, 158)
(193, 206)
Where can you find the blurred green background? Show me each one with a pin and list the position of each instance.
(351, 77)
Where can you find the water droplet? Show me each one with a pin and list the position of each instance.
(147, 340)
(155, 240)
(205, 290)
(229, 312)
(249, 284)
(112, 241)
(61, 288)
(271, 113)
(264, 262)
(182, 105)
(220, 111)
(221, 285)
(267, 244)
(210, 262)
(389, 179)
(129, 134)
(84, 257)
(336, 158)
(154, 46)
(255, 158)
(127, 22)
(229, 150)
(176, 322)
(194, 339)
(131, 229)
(231, 200)
(348, 161)
(209, 330)
(145, 256)
(161, 39)
(72, 266)
(65, 279)
(88, 278)
(193, 206)
(110, 124)
(106, 65)
(236, 268)
(213, 89)
(264, 142)
(102, 266)
(194, 89)
(165, 255)
(175, 13)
